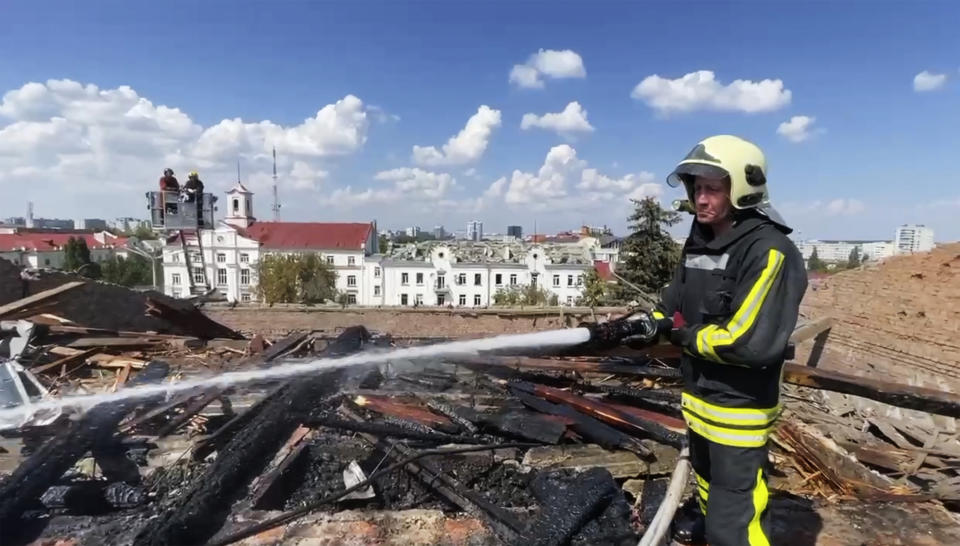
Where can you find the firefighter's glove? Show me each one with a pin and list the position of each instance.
(678, 333)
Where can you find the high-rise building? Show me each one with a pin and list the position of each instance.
(914, 238)
(412, 231)
(475, 230)
(515, 231)
(439, 233)
(91, 223)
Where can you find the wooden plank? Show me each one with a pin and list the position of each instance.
(122, 377)
(811, 330)
(115, 342)
(80, 356)
(105, 360)
(63, 351)
(191, 320)
(411, 412)
(37, 298)
(895, 394)
(621, 464)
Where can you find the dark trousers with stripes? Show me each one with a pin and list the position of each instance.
(731, 483)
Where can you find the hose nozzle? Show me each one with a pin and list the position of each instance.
(639, 326)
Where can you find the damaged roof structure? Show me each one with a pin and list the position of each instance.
(480, 449)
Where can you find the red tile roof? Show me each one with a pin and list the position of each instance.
(309, 235)
(603, 270)
(47, 241)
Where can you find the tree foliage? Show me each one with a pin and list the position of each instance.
(75, 254)
(596, 291)
(854, 259)
(144, 233)
(131, 271)
(295, 278)
(649, 254)
(524, 294)
(814, 263)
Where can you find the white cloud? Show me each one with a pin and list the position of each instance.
(81, 142)
(845, 207)
(701, 91)
(797, 129)
(547, 63)
(564, 182)
(417, 182)
(928, 81)
(466, 146)
(573, 119)
(421, 189)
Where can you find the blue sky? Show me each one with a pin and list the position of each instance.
(875, 155)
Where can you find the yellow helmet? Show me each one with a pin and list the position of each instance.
(194, 174)
(727, 156)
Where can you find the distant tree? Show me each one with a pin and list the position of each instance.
(144, 233)
(864, 258)
(523, 295)
(814, 263)
(854, 259)
(649, 254)
(595, 290)
(383, 243)
(75, 254)
(290, 278)
(131, 271)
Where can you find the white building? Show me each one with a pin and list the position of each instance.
(475, 231)
(914, 238)
(839, 251)
(127, 224)
(435, 273)
(39, 248)
(412, 231)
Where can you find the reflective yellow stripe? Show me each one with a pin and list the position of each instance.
(746, 315)
(730, 416)
(755, 534)
(658, 315)
(702, 482)
(703, 506)
(726, 436)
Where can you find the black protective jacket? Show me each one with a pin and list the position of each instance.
(739, 295)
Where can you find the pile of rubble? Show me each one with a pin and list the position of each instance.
(485, 449)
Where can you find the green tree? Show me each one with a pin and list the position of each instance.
(854, 259)
(814, 263)
(75, 254)
(649, 254)
(523, 295)
(144, 233)
(131, 271)
(383, 243)
(595, 290)
(291, 278)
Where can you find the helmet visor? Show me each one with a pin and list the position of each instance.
(689, 170)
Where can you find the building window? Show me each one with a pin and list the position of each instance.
(245, 298)
(579, 280)
(376, 272)
(46, 261)
(175, 258)
(403, 299)
(175, 279)
(462, 279)
(221, 258)
(351, 299)
(329, 260)
(198, 276)
(221, 277)
(556, 281)
(569, 280)
(236, 206)
(405, 279)
(419, 279)
(351, 280)
(376, 290)
(441, 281)
(513, 279)
(244, 258)
(477, 279)
(244, 277)
(195, 257)
(476, 299)
(441, 299)
(498, 279)
(418, 300)
(351, 260)
(462, 299)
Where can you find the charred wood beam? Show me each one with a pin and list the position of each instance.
(393, 431)
(593, 430)
(895, 394)
(10, 308)
(410, 412)
(42, 469)
(202, 509)
(566, 364)
(606, 413)
(192, 320)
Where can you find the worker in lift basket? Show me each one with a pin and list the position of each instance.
(731, 305)
(168, 183)
(193, 193)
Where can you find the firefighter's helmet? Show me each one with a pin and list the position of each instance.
(727, 156)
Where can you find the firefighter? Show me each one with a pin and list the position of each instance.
(168, 182)
(193, 193)
(731, 305)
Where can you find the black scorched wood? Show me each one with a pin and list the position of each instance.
(94, 430)
(201, 511)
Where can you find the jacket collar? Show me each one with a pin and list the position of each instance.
(701, 237)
